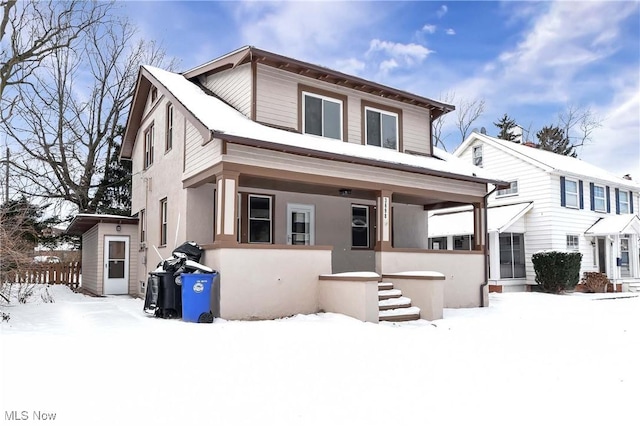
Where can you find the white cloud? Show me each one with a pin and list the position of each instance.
(442, 11)
(429, 28)
(450, 32)
(408, 53)
(388, 65)
(350, 66)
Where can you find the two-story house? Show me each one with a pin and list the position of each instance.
(285, 170)
(554, 202)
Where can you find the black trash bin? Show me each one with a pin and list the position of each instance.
(164, 296)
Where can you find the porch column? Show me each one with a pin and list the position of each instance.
(227, 206)
(385, 221)
(494, 256)
(479, 233)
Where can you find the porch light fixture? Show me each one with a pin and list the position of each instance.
(118, 228)
(345, 192)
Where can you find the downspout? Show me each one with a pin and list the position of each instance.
(486, 246)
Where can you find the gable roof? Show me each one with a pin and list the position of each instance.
(252, 54)
(548, 161)
(460, 222)
(615, 224)
(216, 119)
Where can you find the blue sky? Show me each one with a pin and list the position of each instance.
(530, 60)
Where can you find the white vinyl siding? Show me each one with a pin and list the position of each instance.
(233, 86)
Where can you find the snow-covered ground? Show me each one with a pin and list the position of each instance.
(528, 360)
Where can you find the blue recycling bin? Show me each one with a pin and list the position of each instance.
(197, 297)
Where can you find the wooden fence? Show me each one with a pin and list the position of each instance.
(64, 273)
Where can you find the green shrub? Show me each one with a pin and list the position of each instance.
(557, 271)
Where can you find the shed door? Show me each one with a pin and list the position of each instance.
(116, 265)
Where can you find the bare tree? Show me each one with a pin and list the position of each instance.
(578, 124)
(67, 121)
(467, 112)
(31, 30)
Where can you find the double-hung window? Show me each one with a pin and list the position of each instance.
(571, 193)
(163, 222)
(381, 128)
(148, 147)
(260, 221)
(322, 115)
(623, 201)
(359, 226)
(599, 199)
(169, 134)
(477, 155)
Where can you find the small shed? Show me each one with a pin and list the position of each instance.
(109, 243)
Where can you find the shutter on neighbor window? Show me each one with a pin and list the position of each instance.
(563, 200)
(592, 197)
(617, 201)
(630, 201)
(608, 194)
(581, 191)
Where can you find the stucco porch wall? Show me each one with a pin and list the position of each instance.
(425, 288)
(268, 283)
(463, 271)
(352, 294)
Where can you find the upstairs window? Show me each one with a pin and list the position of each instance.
(143, 226)
(154, 94)
(623, 202)
(512, 190)
(169, 135)
(148, 147)
(322, 115)
(571, 193)
(381, 128)
(599, 199)
(477, 155)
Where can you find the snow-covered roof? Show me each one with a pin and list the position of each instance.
(615, 224)
(549, 161)
(226, 122)
(499, 218)
(83, 222)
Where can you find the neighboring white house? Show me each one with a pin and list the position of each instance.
(286, 171)
(554, 202)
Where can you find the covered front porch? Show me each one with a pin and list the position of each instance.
(276, 231)
(616, 249)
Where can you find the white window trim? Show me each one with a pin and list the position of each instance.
(168, 143)
(603, 198)
(388, 113)
(567, 193)
(164, 222)
(366, 226)
(324, 98)
(621, 203)
(509, 191)
(474, 150)
(149, 145)
(573, 246)
(250, 218)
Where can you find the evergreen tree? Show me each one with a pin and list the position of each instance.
(115, 193)
(554, 139)
(506, 125)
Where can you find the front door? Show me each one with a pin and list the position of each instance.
(625, 268)
(602, 256)
(116, 265)
(300, 224)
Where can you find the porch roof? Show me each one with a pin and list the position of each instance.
(615, 224)
(499, 219)
(226, 123)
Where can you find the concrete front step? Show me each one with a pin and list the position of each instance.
(392, 303)
(389, 293)
(385, 286)
(400, 314)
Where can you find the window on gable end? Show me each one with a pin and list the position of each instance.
(477, 155)
(154, 94)
(148, 146)
(169, 131)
